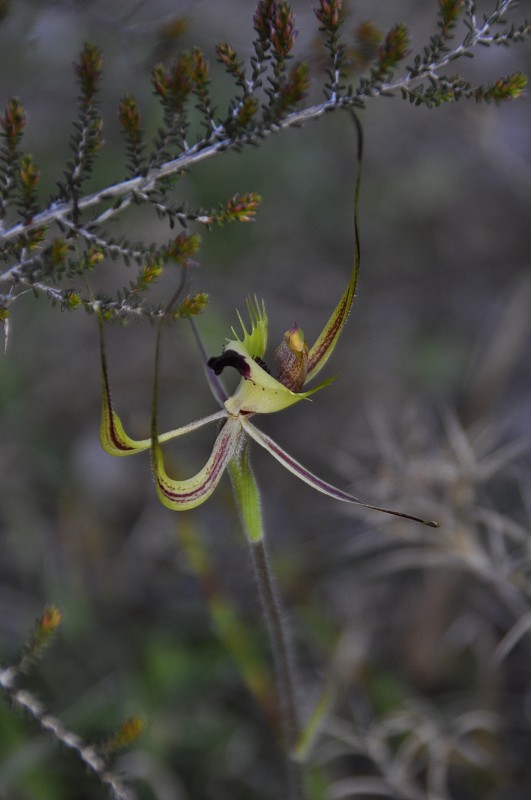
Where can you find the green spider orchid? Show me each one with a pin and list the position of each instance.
(257, 393)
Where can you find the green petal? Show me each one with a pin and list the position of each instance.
(255, 340)
(319, 484)
(328, 338)
(323, 348)
(181, 495)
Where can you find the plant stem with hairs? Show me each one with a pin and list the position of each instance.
(248, 498)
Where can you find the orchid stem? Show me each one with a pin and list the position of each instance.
(283, 661)
(248, 499)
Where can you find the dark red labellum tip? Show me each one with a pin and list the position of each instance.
(230, 358)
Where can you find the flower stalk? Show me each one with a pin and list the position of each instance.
(247, 497)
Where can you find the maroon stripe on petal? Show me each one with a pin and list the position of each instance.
(219, 459)
(118, 443)
(317, 483)
(325, 344)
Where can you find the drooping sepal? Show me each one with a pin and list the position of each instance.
(317, 483)
(113, 437)
(114, 440)
(181, 495)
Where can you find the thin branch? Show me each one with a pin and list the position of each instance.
(89, 756)
(122, 194)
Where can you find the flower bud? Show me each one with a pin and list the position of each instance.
(292, 358)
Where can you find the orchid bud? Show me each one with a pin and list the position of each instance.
(292, 359)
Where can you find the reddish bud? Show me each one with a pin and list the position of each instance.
(262, 18)
(129, 114)
(93, 256)
(227, 55)
(182, 248)
(509, 87)
(199, 67)
(393, 49)
(450, 10)
(126, 735)
(174, 29)
(13, 120)
(58, 251)
(294, 90)
(89, 69)
(368, 38)
(29, 174)
(50, 620)
(282, 29)
(330, 14)
(160, 80)
(247, 110)
(192, 305)
(241, 208)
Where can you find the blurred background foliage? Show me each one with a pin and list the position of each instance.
(430, 413)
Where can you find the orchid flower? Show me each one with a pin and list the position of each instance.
(258, 392)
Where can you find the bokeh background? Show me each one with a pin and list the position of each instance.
(430, 413)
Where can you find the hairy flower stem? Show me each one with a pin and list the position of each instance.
(248, 499)
(283, 661)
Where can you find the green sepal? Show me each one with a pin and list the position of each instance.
(181, 495)
(113, 437)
